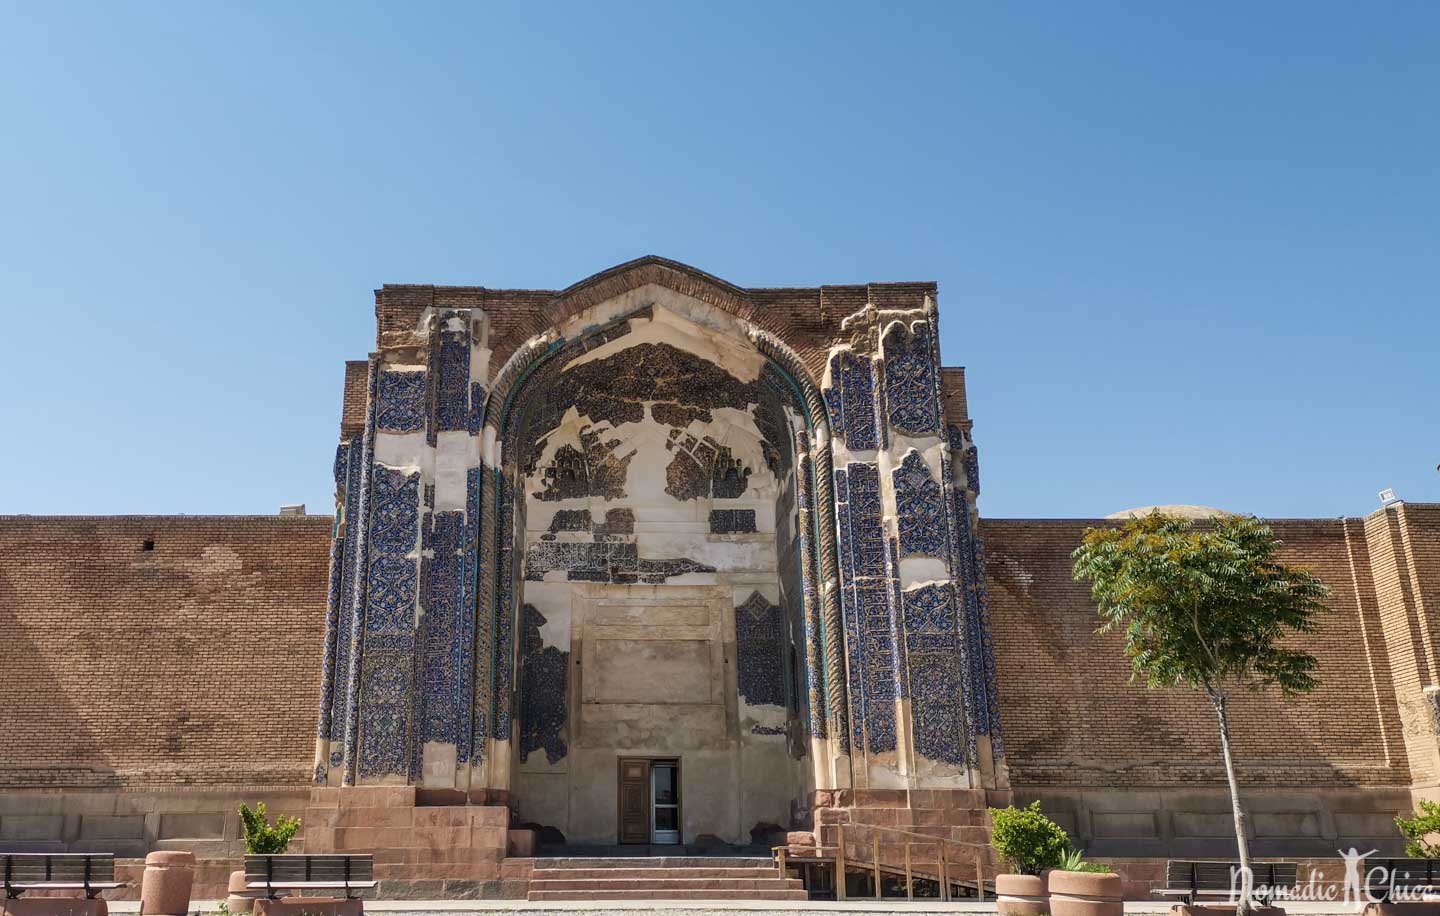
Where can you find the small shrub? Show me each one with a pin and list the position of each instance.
(261, 837)
(1418, 829)
(1027, 839)
(1074, 860)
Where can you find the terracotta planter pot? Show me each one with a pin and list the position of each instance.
(1021, 895)
(1085, 893)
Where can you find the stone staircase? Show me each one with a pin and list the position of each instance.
(663, 878)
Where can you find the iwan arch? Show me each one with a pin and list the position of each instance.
(658, 521)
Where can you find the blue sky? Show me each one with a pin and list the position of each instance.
(1187, 252)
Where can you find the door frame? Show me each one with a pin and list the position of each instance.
(649, 799)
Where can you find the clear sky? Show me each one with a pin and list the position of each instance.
(1188, 252)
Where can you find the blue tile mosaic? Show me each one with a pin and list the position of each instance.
(759, 651)
(400, 405)
(452, 368)
(851, 400)
(912, 396)
(544, 693)
(440, 662)
(920, 509)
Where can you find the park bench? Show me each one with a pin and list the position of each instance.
(304, 873)
(1411, 877)
(91, 872)
(1190, 880)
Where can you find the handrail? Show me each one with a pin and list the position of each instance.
(942, 867)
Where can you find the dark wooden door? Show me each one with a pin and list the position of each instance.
(634, 800)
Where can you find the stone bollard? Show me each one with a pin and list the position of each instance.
(241, 899)
(165, 886)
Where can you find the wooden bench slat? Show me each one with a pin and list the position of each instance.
(295, 872)
(88, 871)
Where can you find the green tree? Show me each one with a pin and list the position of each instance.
(1207, 608)
(1417, 831)
(261, 838)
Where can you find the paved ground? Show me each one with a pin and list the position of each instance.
(692, 908)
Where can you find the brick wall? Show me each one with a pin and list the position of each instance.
(1071, 716)
(196, 663)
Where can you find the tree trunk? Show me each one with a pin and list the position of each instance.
(1247, 874)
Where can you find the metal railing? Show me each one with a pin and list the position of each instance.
(948, 868)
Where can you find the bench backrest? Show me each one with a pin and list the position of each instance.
(1218, 876)
(57, 867)
(1405, 872)
(333, 868)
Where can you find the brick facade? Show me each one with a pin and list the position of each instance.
(158, 668)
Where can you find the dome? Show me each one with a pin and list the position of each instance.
(1179, 510)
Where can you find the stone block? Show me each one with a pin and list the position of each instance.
(308, 906)
(32, 827)
(520, 842)
(31, 905)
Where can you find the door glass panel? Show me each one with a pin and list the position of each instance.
(665, 819)
(664, 785)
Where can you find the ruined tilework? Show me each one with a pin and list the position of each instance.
(936, 711)
(920, 509)
(394, 534)
(358, 573)
(767, 729)
(685, 479)
(814, 651)
(617, 522)
(595, 469)
(333, 592)
(732, 521)
(759, 644)
(604, 561)
(502, 660)
(980, 650)
(870, 625)
(728, 475)
(851, 400)
(475, 419)
(544, 673)
(866, 534)
(385, 691)
(570, 520)
(400, 404)
(912, 395)
(441, 658)
(452, 386)
(679, 415)
(465, 638)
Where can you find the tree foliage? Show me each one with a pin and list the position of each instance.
(263, 838)
(1418, 830)
(1201, 607)
(1027, 839)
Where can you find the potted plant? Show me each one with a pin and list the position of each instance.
(261, 838)
(1030, 843)
(1080, 888)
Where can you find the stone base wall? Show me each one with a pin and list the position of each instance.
(426, 852)
(1197, 821)
(131, 824)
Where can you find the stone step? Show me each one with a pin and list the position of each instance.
(573, 874)
(669, 895)
(657, 884)
(545, 864)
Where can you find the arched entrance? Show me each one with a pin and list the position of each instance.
(658, 574)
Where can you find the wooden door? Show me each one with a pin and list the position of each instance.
(634, 800)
